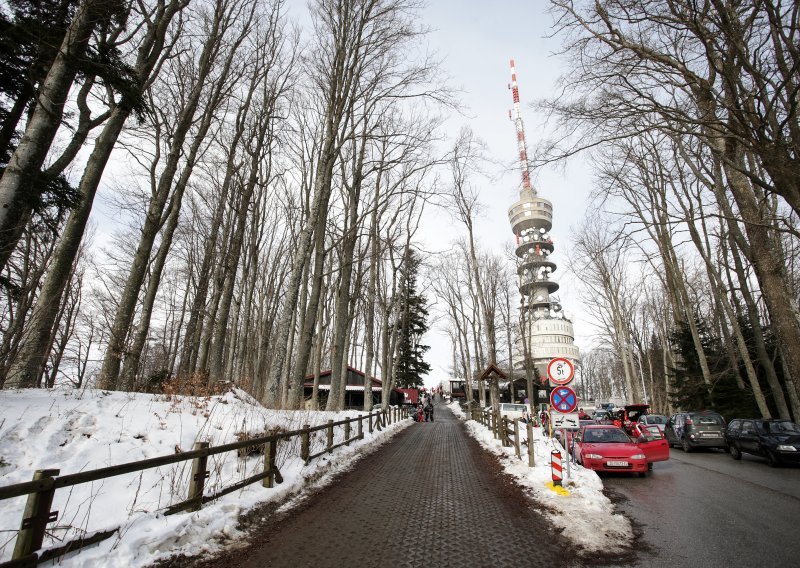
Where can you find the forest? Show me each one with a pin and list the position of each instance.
(204, 193)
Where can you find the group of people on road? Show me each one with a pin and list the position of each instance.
(424, 411)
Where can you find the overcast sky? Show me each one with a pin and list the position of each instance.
(477, 39)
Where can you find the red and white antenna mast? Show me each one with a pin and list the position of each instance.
(517, 118)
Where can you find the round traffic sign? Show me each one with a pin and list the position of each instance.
(561, 371)
(563, 399)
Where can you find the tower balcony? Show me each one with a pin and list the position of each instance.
(534, 246)
(536, 267)
(533, 286)
(530, 213)
(537, 308)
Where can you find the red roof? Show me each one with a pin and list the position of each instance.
(410, 395)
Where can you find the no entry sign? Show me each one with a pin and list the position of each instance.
(560, 371)
(563, 399)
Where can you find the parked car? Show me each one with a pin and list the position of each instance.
(513, 410)
(571, 433)
(697, 429)
(630, 417)
(776, 440)
(609, 448)
(657, 420)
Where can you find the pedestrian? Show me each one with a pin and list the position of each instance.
(428, 409)
(420, 411)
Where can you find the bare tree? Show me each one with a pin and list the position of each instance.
(18, 181)
(152, 49)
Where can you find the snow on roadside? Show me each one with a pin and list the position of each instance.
(586, 515)
(82, 430)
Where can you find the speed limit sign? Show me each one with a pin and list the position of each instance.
(560, 371)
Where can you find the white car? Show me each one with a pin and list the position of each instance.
(513, 410)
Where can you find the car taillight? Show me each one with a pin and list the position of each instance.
(689, 421)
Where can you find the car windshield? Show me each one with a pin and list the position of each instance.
(605, 436)
(655, 419)
(783, 427)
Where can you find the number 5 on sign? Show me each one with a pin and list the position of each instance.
(560, 371)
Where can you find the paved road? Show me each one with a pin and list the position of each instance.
(431, 497)
(706, 509)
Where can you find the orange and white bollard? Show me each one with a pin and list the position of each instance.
(555, 467)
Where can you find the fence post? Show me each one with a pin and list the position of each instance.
(516, 437)
(504, 431)
(347, 433)
(531, 457)
(378, 420)
(360, 427)
(269, 463)
(198, 481)
(369, 421)
(305, 444)
(330, 436)
(36, 516)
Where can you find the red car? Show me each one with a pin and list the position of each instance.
(609, 448)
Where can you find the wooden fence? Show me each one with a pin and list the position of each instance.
(41, 490)
(508, 432)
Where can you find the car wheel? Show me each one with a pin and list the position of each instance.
(685, 445)
(772, 459)
(735, 452)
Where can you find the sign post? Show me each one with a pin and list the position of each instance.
(564, 401)
(560, 371)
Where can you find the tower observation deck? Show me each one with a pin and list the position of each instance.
(550, 334)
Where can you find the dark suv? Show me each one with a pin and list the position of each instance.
(702, 429)
(776, 440)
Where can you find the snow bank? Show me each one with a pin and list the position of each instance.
(586, 515)
(82, 430)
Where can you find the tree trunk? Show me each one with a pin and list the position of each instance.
(25, 163)
(154, 219)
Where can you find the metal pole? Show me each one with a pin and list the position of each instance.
(566, 449)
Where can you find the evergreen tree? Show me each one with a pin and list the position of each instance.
(410, 364)
(688, 390)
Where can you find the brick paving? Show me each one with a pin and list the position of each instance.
(431, 497)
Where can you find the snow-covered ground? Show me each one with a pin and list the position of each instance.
(89, 429)
(580, 508)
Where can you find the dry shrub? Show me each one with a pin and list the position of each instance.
(255, 450)
(196, 384)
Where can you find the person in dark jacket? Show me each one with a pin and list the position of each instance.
(428, 408)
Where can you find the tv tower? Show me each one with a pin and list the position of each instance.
(549, 333)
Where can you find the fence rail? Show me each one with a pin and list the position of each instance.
(508, 431)
(41, 490)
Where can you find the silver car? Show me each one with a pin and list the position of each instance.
(657, 420)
